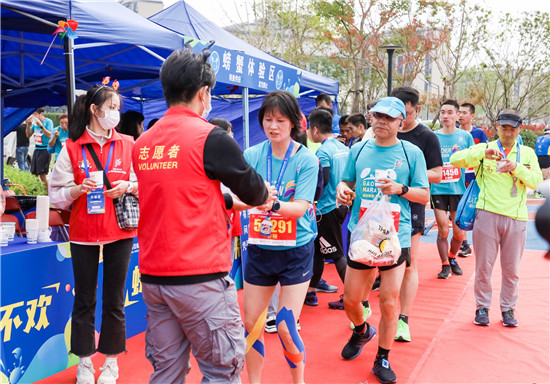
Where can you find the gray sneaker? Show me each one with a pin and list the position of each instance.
(508, 319)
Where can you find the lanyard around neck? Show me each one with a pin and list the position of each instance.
(501, 148)
(283, 167)
(86, 168)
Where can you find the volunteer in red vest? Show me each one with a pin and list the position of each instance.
(184, 230)
(77, 180)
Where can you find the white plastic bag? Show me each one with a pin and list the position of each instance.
(375, 241)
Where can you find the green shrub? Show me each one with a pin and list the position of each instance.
(529, 138)
(54, 117)
(33, 186)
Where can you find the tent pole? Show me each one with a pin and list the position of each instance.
(246, 123)
(70, 74)
(2, 143)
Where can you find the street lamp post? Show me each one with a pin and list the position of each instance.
(390, 49)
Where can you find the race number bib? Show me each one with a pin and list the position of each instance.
(395, 211)
(450, 173)
(282, 231)
(38, 138)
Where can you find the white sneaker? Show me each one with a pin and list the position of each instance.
(85, 373)
(271, 325)
(109, 373)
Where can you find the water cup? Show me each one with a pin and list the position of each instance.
(10, 227)
(380, 174)
(4, 235)
(44, 235)
(31, 226)
(500, 165)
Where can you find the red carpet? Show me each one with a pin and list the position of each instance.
(446, 348)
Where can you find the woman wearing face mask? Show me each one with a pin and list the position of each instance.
(76, 180)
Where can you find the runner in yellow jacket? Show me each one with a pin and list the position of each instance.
(501, 220)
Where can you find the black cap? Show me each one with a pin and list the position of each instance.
(512, 119)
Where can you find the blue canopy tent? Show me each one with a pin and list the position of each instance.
(110, 43)
(182, 18)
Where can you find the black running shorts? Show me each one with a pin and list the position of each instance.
(447, 203)
(40, 164)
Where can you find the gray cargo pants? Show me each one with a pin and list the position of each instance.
(203, 318)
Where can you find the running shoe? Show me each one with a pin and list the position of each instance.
(311, 299)
(383, 371)
(455, 268)
(403, 333)
(465, 251)
(482, 317)
(357, 341)
(271, 325)
(323, 286)
(338, 304)
(508, 319)
(445, 272)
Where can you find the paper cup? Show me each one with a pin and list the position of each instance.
(31, 224)
(32, 236)
(380, 174)
(10, 227)
(4, 235)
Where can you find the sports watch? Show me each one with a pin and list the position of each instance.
(404, 189)
(276, 205)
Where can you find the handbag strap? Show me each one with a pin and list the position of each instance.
(98, 165)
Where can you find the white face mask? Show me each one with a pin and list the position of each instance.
(206, 111)
(111, 119)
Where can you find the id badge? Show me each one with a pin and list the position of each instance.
(95, 201)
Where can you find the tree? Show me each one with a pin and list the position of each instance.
(288, 29)
(419, 34)
(357, 29)
(464, 28)
(515, 69)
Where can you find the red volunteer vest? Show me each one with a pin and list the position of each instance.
(101, 227)
(183, 226)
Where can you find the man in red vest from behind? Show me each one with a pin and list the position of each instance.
(184, 232)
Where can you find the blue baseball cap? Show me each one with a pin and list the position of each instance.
(391, 106)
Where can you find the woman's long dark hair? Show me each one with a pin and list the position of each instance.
(80, 115)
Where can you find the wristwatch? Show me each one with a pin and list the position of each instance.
(276, 205)
(404, 190)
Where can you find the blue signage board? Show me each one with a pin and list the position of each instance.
(36, 300)
(238, 68)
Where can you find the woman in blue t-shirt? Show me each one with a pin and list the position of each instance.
(281, 234)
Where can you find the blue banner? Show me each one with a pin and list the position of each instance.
(37, 294)
(240, 69)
